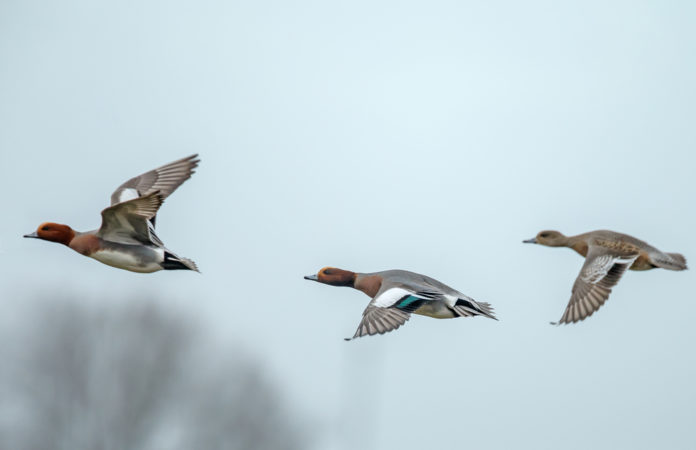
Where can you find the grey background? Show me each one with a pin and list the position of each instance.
(428, 136)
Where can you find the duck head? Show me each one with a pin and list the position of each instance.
(550, 238)
(54, 232)
(334, 277)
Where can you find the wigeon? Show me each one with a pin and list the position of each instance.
(398, 293)
(607, 256)
(126, 238)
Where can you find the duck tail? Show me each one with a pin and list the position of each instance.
(467, 307)
(673, 261)
(678, 261)
(173, 262)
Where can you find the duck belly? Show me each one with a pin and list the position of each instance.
(643, 262)
(142, 261)
(438, 310)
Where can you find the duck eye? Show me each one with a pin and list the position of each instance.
(544, 235)
(45, 229)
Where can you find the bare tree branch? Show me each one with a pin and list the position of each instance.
(131, 377)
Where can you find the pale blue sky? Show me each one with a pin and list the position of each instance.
(428, 136)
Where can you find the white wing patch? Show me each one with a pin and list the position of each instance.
(127, 194)
(601, 266)
(391, 296)
(451, 300)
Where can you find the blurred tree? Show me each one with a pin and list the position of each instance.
(131, 378)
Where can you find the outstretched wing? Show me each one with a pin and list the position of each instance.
(388, 311)
(603, 268)
(129, 222)
(378, 320)
(164, 180)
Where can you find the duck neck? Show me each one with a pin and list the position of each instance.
(367, 283)
(578, 244)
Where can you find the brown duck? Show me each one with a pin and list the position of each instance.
(607, 256)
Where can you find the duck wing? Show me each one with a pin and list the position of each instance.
(165, 180)
(129, 222)
(390, 309)
(431, 289)
(605, 263)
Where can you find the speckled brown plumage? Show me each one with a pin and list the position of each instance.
(608, 255)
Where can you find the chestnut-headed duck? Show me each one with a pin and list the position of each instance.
(126, 238)
(398, 293)
(607, 256)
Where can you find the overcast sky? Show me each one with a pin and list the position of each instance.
(432, 136)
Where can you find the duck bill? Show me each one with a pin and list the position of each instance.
(32, 235)
(530, 241)
(311, 277)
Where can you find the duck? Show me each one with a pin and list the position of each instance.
(608, 255)
(126, 238)
(396, 294)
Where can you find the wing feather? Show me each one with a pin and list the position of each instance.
(165, 179)
(378, 320)
(602, 270)
(130, 222)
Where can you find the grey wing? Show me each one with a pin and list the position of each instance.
(164, 179)
(377, 320)
(464, 305)
(130, 222)
(603, 268)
